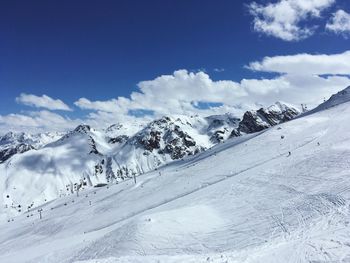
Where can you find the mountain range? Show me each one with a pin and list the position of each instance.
(54, 164)
(273, 188)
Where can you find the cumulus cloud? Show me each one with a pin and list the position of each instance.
(301, 78)
(107, 106)
(306, 89)
(305, 64)
(42, 102)
(339, 23)
(284, 18)
(172, 94)
(36, 121)
(305, 78)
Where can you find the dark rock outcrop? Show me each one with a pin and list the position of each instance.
(83, 128)
(221, 126)
(255, 121)
(166, 137)
(118, 139)
(7, 153)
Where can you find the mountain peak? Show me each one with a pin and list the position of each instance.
(82, 128)
(282, 107)
(255, 121)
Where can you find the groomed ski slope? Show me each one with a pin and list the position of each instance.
(245, 200)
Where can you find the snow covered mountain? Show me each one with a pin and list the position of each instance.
(34, 177)
(255, 121)
(13, 143)
(119, 132)
(221, 127)
(88, 157)
(245, 200)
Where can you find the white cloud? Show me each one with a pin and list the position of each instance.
(263, 87)
(171, 94)
(305, 64)
(283, 18)
(301, 78)
(305, 78)
(339, 23)
(36, 121)
(297, 89)
(42, 102)
(107, 106)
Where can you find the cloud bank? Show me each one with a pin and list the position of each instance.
(301, 78)
(36, 121)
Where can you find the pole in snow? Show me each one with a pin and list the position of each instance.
(40, 210)
(135, 178)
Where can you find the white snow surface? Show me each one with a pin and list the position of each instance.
(37, 176)
(244, 200)
(128, 129)
(36, 140)
(336, 99)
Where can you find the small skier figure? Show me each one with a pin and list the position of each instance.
(318, 143)
(289, 154)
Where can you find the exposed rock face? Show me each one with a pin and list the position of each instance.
(167, 137)
(93, 146)
(179, 144)
(252, 122)
(120, 151)
(221, 127)
(82, 129)
(12, 137)
(85, 156)
(235, 133)
(119, 139)
(8, 152)
(150, 141)
(14, 143)
(255, 121)
(219, 136)
(110, 175)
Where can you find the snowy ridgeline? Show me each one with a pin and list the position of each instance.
(39, 168)
(279, 195)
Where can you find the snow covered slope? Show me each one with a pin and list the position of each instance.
(12, 143)
(86, 157)
(245, 200)
(336, 99)
(34, 177)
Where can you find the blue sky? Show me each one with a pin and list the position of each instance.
(97, 51)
